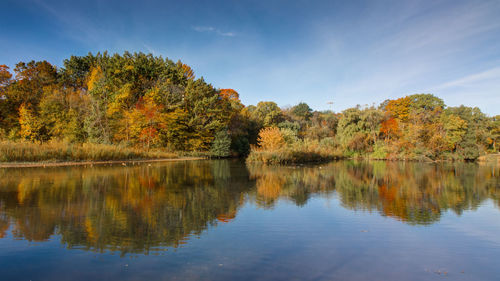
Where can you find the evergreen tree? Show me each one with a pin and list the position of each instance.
(221, 144)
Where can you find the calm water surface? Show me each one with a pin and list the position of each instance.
(224, 220)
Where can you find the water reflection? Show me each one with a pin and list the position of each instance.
(415, 193)
(125, 209)
(146, 208)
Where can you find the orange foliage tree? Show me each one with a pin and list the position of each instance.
(399, 108)
(229, 94)
(390, 128)
(270, 138)
(147, 121)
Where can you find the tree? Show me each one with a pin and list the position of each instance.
(186, 70)
(205, 114)
(399, 108)
(229, 94)
(469, 147)
(302, 110)
(7, 108)
(425, 102)
(359, 128)
(267, 113)
(390, 128)
(96, 122)
(455, 129)
(221, 146)
(322, 125)
(30, 125)
(370, 121)
(148, 121)
(494, 132)
(31, 79)
(270, 138)
(5, 77)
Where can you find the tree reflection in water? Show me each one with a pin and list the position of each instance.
(125, 209)
(145, 208)
(416, 193)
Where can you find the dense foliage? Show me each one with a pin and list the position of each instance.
(141, 101)
(132, 99)
(416, 127)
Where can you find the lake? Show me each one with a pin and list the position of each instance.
(225, 220)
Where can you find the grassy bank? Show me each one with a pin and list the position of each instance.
(287, 156)
(62, 151)
(300, 151)
(490, 158)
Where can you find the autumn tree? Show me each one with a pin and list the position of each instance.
(96, 123)
(147, 122)
(267, 113)
(185, 70)
(494, 133)
(270, 138)
(399, 108)
(30, 125)
(7, 110)
(455, 128)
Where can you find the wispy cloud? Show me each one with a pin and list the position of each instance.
(481, 77)
(211, 29)
(151, 50)
(74, 26)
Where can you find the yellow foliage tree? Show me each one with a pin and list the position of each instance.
(30, 126)
(399, 108)
(95, 75)
(270, 138)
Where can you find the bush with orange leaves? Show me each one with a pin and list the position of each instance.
(271, 138)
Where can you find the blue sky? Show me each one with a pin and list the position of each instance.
(345, 52)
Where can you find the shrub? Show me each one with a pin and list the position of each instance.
(379, 151)
(270, 138)
(289, 136)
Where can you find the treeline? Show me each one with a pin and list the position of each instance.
(415, 127)
(141, 101)
(132, 99)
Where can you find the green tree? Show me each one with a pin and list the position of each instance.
(302, 111)
(267, 113)
(221, 146)
(359, 128)
(455, 129)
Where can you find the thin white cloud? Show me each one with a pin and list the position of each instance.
(229, 34)
(481, 77)
(151, 50)
(203, 28)
(211, 29)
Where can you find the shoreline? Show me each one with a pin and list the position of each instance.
(91, 163)
(481, 159)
